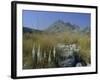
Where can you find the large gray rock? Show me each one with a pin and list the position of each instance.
(66, 55)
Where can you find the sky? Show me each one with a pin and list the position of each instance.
(43, 19)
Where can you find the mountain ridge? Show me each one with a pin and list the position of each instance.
(59, 26)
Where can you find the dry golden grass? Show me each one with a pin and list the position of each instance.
(47, 41)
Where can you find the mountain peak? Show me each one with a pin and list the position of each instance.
(60, 26)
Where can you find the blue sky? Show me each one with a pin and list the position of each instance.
(43, 19)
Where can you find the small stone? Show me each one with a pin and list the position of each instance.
(79, 64)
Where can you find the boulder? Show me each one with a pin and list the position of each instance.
(67, 55)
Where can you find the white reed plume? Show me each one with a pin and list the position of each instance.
(38, 54)
(33, 52)
(49, 58)
(54, 51)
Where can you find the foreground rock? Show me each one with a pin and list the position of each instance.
(68, 56)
